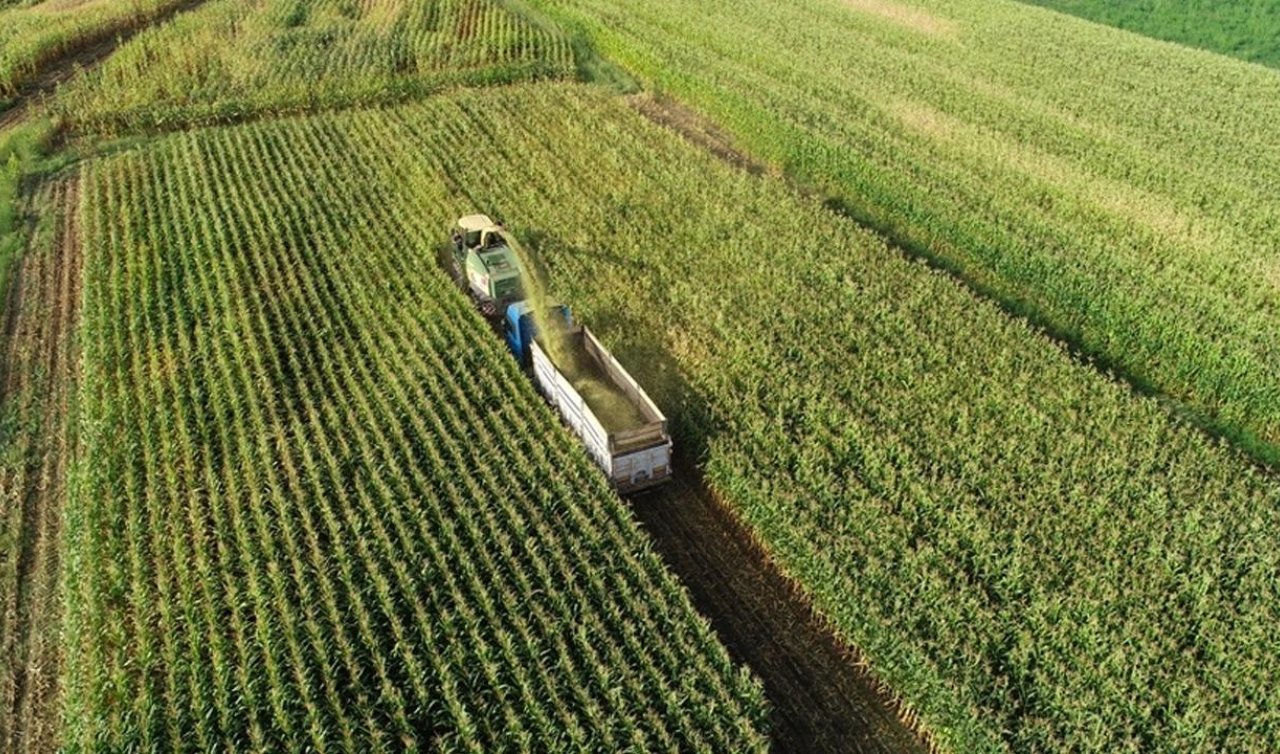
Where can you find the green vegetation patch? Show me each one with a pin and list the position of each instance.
(34, 33)
(230, 60)
(1245, 29)
(1035, 558)
(21, 153)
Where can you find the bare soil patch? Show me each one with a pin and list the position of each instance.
(39, 360)
(822, 697)
(54, 7)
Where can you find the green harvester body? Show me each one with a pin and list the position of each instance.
(485, 263)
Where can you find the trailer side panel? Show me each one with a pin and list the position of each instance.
(631, 460)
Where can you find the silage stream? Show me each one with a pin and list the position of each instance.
(612, 407)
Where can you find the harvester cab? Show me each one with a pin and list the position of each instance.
(519, 327)
(485, 264)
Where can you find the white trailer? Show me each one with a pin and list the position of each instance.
(634, 457)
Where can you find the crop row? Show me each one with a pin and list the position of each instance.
(1116, 189)
(229, 60)
(317, 507)
(1035, 558)
(33, 33)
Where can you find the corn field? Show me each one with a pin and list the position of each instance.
(1035, 558)
(1117, 190)
(317, 507)
(229, 60)
(34, 33)
(313, 504)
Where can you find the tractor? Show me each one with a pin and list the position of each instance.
(484, 264)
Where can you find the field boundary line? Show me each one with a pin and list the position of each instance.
(40, 365)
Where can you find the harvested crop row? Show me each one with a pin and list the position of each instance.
(320, 508)
(231, 60)
(1116, 189)
(1033, 557)
(38, 363)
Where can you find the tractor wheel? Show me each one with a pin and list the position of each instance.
(450, 265)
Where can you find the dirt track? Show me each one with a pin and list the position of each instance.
(38, 378)
(53, 75)
(822, 701)
(695, 129)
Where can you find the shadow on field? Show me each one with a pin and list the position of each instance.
(822, 698)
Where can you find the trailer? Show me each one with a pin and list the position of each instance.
(623, 430)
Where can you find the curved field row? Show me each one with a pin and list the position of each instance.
(1035, 558)
(34, 33)
(232, 60)
(1116, 190)
(319, 508)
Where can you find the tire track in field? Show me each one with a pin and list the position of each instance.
(822, 699)
(39, 375)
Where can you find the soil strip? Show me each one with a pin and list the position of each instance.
(39, 371)
(821, 695)
(695, 129)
